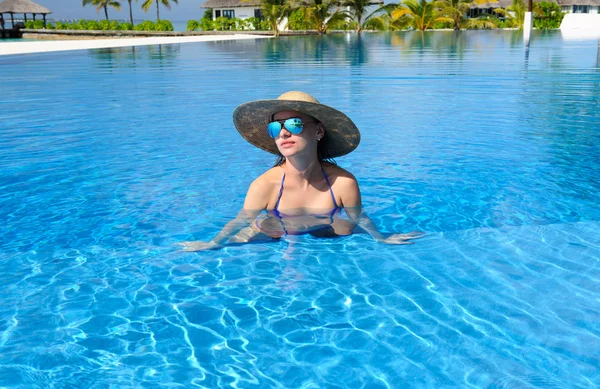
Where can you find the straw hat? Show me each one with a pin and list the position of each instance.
(251, 120)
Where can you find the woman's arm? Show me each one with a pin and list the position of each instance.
(352, 203)
(256, 201)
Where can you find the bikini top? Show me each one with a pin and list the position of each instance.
(329, 214)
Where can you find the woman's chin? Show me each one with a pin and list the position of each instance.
(287, 152)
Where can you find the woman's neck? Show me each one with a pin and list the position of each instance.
(305, 170)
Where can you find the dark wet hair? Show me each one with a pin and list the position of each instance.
(322, 151)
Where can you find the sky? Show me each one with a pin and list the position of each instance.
(72, 9)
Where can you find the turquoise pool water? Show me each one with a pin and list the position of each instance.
(109, 157)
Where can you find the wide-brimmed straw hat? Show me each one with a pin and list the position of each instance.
(251, 120)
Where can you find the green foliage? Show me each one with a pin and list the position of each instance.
(107, 25)
(548, 15)
(164, 25)
(208, 13)
(442, 25)
(457, 11)
(299, 21)
(257, 24)
(325, 13)
(422, 14)
(146, 25)
(358, 8)
(83, 24)
(243, 24)
(347, 25)
(192, 25)
(29, 24)
(484, 22)
(207, 24)
(275, 12)
(223, 24)
(515, 14)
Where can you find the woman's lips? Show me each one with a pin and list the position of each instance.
(287, 144)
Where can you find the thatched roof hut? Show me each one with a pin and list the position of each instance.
(492, 4)
(23, 7)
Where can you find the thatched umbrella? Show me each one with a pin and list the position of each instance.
(23, 7)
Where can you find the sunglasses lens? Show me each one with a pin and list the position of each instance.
(274, 129)
(294, 125)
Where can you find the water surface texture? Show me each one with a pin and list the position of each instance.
(109, 157)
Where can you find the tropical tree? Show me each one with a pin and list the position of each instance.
(148, 3)
(130, 12)
(103, 4)
(381, 20)
(515, 13)
(548, 15)
(275, 12)
(298, 20)
(484, 22)
(325, 13)
(421, 14)
(358, 7)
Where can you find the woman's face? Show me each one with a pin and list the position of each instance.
(292, 144)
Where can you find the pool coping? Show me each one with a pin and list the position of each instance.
(44, 46)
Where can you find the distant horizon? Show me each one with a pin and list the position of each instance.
(184, 11)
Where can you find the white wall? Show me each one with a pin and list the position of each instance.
(240, 12)
(580, 26)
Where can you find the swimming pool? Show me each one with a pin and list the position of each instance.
(109, 157)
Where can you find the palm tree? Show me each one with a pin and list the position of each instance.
(148, 3)
(515, 13)
(130, 12)
(103, 4)
(421, 14)
(275, 12)
(456, 10)
(484, 22)
(357, 7)
(318, 12)
(381, 19)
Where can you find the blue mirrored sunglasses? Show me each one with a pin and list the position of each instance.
(293, 125)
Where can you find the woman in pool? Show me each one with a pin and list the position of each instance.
(305, 191)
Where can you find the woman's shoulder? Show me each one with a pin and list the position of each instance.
(262, 188)
(268, 179)
(338, 174)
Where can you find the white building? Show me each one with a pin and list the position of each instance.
(241, 9)
(568, 6)
(244, 9)
(580, 6)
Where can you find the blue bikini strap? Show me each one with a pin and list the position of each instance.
(330, 190)
(280, 193)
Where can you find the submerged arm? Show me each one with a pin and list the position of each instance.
(254, 204)
(242, 220)
(353, 206)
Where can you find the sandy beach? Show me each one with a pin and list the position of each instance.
(41, 46)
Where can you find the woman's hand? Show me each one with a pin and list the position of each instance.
(199, 246)
(401, 238)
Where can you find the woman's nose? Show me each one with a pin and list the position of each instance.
(284, 133)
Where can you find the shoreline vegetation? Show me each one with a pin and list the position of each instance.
(317, 17)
